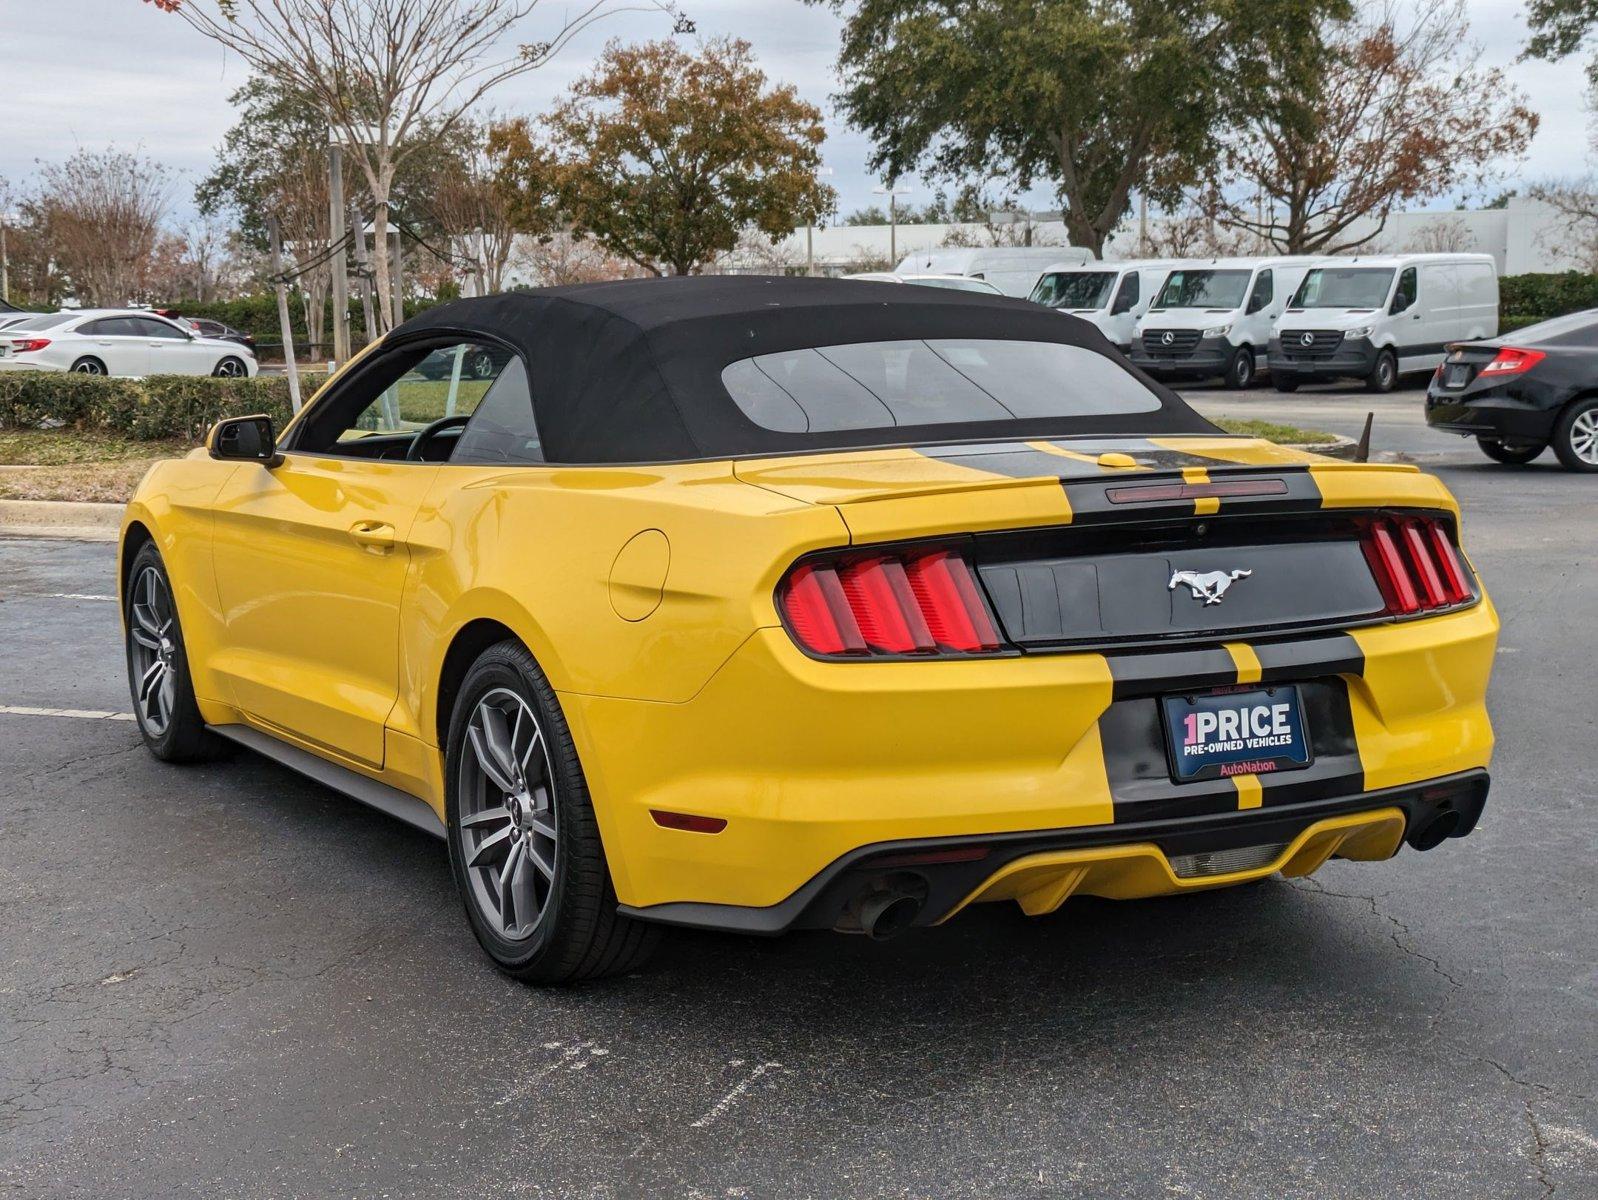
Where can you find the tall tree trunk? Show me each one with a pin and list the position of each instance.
(380, 261)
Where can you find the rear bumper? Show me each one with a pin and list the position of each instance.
(1489, 415)
(1354, 358)
(1042, 869)
(813, 764)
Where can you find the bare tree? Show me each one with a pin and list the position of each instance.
(565, 257)
(1576, 231)
(101, 216)
(477, 214)
(382, 69)
(1395, 111)
(1442, 235)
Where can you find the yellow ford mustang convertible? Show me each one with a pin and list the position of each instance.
(763, 604)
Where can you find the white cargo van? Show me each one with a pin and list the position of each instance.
(1376, 317)
(1012, 269)
(1213, 317)
(1109, 295)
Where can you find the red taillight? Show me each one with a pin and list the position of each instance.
(890, 602)
(1512, 360)
(1415, 565)
(27, 345)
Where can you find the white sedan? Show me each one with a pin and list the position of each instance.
(118, 342)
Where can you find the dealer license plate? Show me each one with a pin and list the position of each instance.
(1457, 375)
(1252, 732)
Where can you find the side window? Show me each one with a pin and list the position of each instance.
(1406, 292)
(105, 327)
(502, 429)
(151, 328)
(448, 382)
(1126, 299)
(1262, 293)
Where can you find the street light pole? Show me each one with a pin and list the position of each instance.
(5, 261)
(893, 194)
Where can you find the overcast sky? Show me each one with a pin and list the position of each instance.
(95, 73)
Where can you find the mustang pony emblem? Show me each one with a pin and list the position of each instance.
(1209, 586)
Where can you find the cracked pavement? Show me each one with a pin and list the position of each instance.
(225, 980)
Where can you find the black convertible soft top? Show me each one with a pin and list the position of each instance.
(630, 371)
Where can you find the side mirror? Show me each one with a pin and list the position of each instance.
(244, 439)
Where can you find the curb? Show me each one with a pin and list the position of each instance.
(76, 519)
(1341, 447)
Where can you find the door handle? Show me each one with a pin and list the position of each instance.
(377, 536)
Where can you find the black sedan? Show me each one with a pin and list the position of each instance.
(1521, 393)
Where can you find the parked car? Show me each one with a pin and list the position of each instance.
(1111, 296)
(1523, 392)
(956, 283)
(1214, 318)
(118, 342)
(14, 316)
(206, 327)
(1378, 317)
(1014, 270)
(762, 604)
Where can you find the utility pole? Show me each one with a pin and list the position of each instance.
(5, 260)
(358, 226)
(399, 275)
(338, 264)
(283, 312)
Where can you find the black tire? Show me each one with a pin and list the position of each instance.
(231, 368)
(1573, 439)
(1383, 377)
(577, 934)
(1516, 454)
(182, 735)
(1281, 384)
(480, 366)
(1240, 371)
(89, 365)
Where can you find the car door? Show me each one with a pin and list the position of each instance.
(1124, 309)
(312, 555)
(119, 343)
(1258, 315)
(172, 352)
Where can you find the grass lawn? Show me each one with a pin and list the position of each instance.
(1271, 431)
(68, 464)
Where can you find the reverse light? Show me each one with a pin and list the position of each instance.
(1511, 360)
(923, 602)
(1416, 565)
(28, 345)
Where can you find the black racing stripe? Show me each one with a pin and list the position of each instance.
(1330, 654)
(1155, 673)
(1091, 504)
(1337, 770)
(1018, 462)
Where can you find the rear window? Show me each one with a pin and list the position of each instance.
(1575, 329)
(884, 385)
(45, 321)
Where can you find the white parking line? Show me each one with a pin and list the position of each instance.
(81, 714)
(76, 596)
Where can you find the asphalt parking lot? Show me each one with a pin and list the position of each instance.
(227, 981)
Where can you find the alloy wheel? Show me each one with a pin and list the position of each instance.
(230, 368)
(1584, 436)
(88, 367)
(152, 633)
(508, 820)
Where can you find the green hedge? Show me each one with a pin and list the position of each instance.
(155, 408)
(1526, 299)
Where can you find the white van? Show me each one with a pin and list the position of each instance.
(1213, 317)
(1012, 269)
(1109, 295)
(1376, 317)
